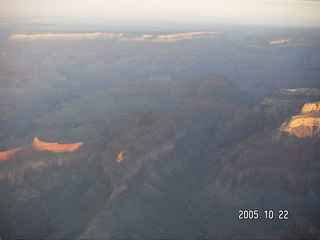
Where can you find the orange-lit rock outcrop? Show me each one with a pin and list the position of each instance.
(119, 157)
(39, 157)
(55, 147)
(6, 155)
(306, 123)
(39, 145)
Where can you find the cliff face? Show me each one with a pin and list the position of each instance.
(306, 123)
(271, 113)
(38, 146)
(288, 101)
(116, 36)
(39, 182)
(52, 36)
(7, 155)
(170, 174)
(280, 145)
(55, 147)
(275, 167)
(311, 107)
(15, 163)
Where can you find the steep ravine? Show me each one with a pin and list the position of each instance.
(156, 202)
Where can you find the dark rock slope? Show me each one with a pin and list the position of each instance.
(167, 171)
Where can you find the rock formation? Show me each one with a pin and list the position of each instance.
(55, 147)
(306, 123)
(117, 36)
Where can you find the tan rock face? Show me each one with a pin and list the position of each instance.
(39, 145)
(308, 107)
(119, 157)
(39, 157)
(6, 155)
(63, 36)
(119, 36)
(182, 36)
(279, 41)
(16, 162)
(306, 123)
(55, 147)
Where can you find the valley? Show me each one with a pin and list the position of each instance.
(159, 135)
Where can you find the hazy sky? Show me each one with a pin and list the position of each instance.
(271, 12)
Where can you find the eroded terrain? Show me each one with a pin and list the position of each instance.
(159, 135)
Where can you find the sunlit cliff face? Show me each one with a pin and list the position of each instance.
(119, 157)
(279, 41)
(182, 36)
(64, 36)
(55, 147)
(6, 155)
(309, 107)
(306, 123)
(39, 145)
(118, 36)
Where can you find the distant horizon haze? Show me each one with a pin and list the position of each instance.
(296, 13)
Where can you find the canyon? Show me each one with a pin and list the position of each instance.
(159, 135)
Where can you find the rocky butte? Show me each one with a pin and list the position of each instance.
(36, 157)
(306, 123)
(39, 145)
(55, 147)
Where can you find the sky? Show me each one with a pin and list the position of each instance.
(265, 12)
